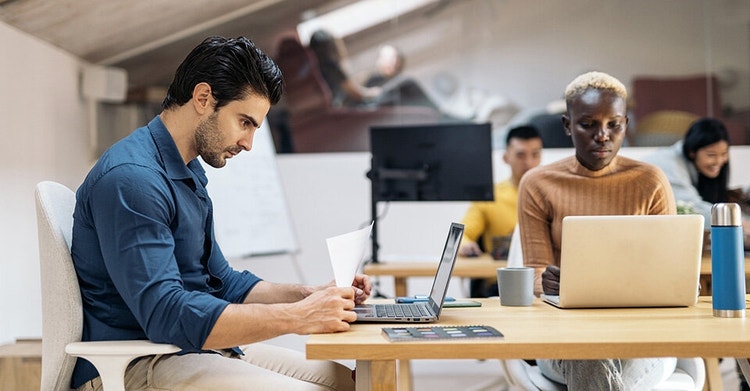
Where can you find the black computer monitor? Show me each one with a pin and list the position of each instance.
(441, 162)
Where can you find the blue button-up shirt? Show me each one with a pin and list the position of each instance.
(144, 248)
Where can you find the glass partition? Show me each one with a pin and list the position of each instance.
(508, 62)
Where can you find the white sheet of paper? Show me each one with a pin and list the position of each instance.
(346, 252)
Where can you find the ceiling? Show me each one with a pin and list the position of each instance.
(149, 38)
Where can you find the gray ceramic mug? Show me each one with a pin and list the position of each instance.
(516, 285)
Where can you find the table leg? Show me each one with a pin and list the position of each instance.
(378, 375)
(362, 377)
(400, 286)
(705, 283)
(713, 375)
(405, 380)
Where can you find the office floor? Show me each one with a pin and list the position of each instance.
(475, 375)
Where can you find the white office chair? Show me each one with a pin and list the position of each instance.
(744, 364)
(515, 251)
(689, 375)
(62, 312)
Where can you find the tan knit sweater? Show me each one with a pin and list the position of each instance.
(548, 193)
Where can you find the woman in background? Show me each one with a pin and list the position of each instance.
(395, 91)
(331, 53)
(698, 168)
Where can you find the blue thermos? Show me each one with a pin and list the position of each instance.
(727, 261)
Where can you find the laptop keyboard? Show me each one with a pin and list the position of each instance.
(401, 310)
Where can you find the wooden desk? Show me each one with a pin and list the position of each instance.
(578, 334)
(486, 267)
(479, 267)
(21, 365)
(706, 273)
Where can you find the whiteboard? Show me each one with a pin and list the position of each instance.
(250, 212)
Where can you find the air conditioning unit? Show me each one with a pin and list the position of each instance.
(104, 84)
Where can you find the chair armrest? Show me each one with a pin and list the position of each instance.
(112, 348)
(111, 358)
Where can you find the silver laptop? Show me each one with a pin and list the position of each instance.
(629, 261)
(421, 312)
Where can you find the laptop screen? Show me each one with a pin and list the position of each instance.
(445, 268)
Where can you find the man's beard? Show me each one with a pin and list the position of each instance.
(208, 142)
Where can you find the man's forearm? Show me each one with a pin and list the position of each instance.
(265, 292)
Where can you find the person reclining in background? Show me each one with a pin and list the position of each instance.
(698, 170)
(331, 55)
(389, 64)
(596, 181)
(494, 221)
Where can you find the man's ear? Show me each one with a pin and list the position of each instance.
(566, 124)
(202, 98)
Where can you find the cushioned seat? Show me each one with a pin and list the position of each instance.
(695, 94)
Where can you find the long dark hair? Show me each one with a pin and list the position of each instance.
(232, 67)
(325, 47)
(704, 132)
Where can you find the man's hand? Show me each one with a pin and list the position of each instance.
(327, 310)
(469, 248)
(362, 288)
(551, 280)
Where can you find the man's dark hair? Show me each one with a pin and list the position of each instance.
(524, 132)
(702, 133)
(233, 67)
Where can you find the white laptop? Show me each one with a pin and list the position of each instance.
(420, 312)
(629, 261)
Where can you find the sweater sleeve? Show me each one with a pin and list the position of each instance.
(535, 227)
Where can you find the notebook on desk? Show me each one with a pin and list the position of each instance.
(420, 312)
(629, 261)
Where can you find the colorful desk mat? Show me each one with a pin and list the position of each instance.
(426, 333)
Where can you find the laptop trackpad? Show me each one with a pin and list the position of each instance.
(364, 311)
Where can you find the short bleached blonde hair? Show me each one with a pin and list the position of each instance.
(595, 80)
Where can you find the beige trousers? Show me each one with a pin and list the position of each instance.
(263, 367)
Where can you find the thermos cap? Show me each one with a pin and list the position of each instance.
(726, 214)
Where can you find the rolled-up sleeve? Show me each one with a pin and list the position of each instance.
(140, 218)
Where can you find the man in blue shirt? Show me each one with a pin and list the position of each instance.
(147, 260)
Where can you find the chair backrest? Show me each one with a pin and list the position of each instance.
(697, 94)
(663, 127)
(744, 364)
(306, 91)
(551, 128)
(515, 252)
(62, 312)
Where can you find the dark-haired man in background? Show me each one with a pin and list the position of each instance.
(494, 221)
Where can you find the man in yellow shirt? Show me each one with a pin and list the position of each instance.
(490, 221)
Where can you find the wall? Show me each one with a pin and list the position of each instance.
(44, 137)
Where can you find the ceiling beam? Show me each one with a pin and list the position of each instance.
(169, 39)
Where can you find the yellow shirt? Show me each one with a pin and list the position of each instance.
(489, 219)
